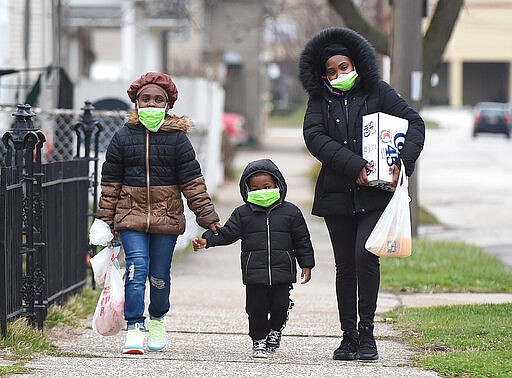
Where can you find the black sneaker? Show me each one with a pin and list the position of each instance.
(259, 348)
(348, 347)
(273, 340)
(367, 347)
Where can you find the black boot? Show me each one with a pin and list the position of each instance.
(367, 348)
(348, 347)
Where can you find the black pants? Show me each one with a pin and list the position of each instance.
(357, 270)
(262, 301)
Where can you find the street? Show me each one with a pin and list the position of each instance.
(466, 183)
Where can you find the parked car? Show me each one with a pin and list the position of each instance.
(234, 135)
(492, 117)
(235, 128)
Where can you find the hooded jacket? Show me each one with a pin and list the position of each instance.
(274, 239)
(145, 174)
(332, 125)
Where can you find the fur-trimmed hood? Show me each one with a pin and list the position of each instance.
(311, 68)
(172, 122)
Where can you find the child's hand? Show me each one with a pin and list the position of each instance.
(199, 243)
(305, 275)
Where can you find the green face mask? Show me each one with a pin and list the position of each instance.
(263, 197)
(152, 118)
(345, 82)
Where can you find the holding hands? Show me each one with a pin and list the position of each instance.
(198, 244)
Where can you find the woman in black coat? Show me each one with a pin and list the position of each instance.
(338, 69)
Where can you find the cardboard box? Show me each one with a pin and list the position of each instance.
(383, 138)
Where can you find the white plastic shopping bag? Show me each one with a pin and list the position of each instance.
(108, 318)
(391, 236)
(100, 233)
(100, 262)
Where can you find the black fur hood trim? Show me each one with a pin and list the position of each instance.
(311, 66)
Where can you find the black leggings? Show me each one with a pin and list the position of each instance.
(357, 270)
(262, 301)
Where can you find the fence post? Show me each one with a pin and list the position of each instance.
(85, 126)
(25, 138)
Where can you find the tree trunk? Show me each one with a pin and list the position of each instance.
(434, 42)
(436, 38)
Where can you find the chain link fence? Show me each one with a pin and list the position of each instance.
(57, 126)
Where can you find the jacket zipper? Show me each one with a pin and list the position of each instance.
(148, 196)
(345, 102)
(268, 249)
(247, 263)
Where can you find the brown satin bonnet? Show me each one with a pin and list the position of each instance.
(159, 79)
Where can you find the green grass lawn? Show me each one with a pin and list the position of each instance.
(436, 266)
(294, 119)
(460, 341)
(455, 341)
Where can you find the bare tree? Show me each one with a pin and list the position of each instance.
(434, 41)
(304, 18)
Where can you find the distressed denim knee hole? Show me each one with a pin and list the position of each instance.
(157, 282)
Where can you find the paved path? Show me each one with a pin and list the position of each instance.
(207, 321)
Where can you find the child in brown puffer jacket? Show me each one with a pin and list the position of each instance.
(150, 163)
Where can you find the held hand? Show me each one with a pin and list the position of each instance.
(214, 226)
(305, 275)
(362, 179)
(199, 243)
(116, 240)
(395, 171)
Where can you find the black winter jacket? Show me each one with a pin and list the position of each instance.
(332, 125)
(274, 239)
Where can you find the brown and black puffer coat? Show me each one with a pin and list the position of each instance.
(145, 174)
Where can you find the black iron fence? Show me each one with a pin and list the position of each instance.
(44, 214)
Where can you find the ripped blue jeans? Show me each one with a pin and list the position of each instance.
(147, 256)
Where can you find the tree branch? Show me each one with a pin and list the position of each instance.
(354, 20)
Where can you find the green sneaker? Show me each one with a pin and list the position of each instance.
(157, 337)
(134, 343)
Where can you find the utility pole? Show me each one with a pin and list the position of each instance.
(406, 71)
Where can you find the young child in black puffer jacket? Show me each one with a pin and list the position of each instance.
(274, 238)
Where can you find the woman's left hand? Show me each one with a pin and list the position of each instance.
(305, 275)
(395, 171)
(214, 226)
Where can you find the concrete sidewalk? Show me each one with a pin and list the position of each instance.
(207, 322)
